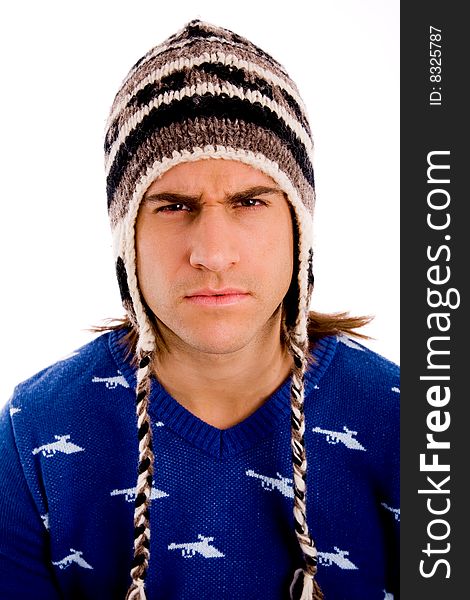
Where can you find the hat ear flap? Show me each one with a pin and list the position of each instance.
(126, 298)
(122, 279)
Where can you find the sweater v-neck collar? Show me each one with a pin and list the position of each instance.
(165, 410)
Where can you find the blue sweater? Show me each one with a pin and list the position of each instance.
(221, 511)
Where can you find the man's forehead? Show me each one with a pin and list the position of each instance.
(213, 176)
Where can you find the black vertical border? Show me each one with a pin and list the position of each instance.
(424, 129)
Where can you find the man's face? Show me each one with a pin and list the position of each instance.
(214, 254)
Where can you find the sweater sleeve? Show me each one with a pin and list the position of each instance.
(25, 564)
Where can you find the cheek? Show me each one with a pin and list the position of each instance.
(286, 258)
(275, 252)
(156, 258)
(285, 266)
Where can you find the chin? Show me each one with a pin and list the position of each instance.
(217, 342)
(219, 335)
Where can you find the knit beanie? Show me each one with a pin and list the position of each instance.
(207, 92)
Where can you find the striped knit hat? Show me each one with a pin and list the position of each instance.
(207, 92)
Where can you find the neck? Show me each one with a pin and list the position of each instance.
(224, 389)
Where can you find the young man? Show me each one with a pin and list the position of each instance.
(236, 386)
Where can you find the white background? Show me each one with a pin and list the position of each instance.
(62, 63)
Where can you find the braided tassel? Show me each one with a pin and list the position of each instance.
(144, 485)
(310, 588)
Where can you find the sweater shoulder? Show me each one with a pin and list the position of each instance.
(67, 377)
(359, 381)
(358, 362)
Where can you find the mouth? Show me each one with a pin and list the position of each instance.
(222, 297)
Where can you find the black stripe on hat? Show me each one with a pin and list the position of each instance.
(231, 74)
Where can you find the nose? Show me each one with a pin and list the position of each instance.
(213, 243)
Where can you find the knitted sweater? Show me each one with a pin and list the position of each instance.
(221, 511)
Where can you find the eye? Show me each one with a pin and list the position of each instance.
(171, 208)
(251, 203)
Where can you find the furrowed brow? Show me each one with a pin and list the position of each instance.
(175, 197)
(252, 192)
(170, 197)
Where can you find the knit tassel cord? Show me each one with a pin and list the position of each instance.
(137, 591)
(310, 588)
(144, 485)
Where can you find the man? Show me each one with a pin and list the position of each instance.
(237, 387)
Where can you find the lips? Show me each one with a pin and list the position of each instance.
(217, 297)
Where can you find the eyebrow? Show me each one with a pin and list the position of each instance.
(258, 190)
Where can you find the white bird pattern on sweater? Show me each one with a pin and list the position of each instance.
(112, 382)
(338, 558)
(61, 444)
(283, 484)
(203, 547)
(75, 557)
(347, 438)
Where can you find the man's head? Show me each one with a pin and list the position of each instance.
(206, 93)
(214, 242)
(209, 116)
